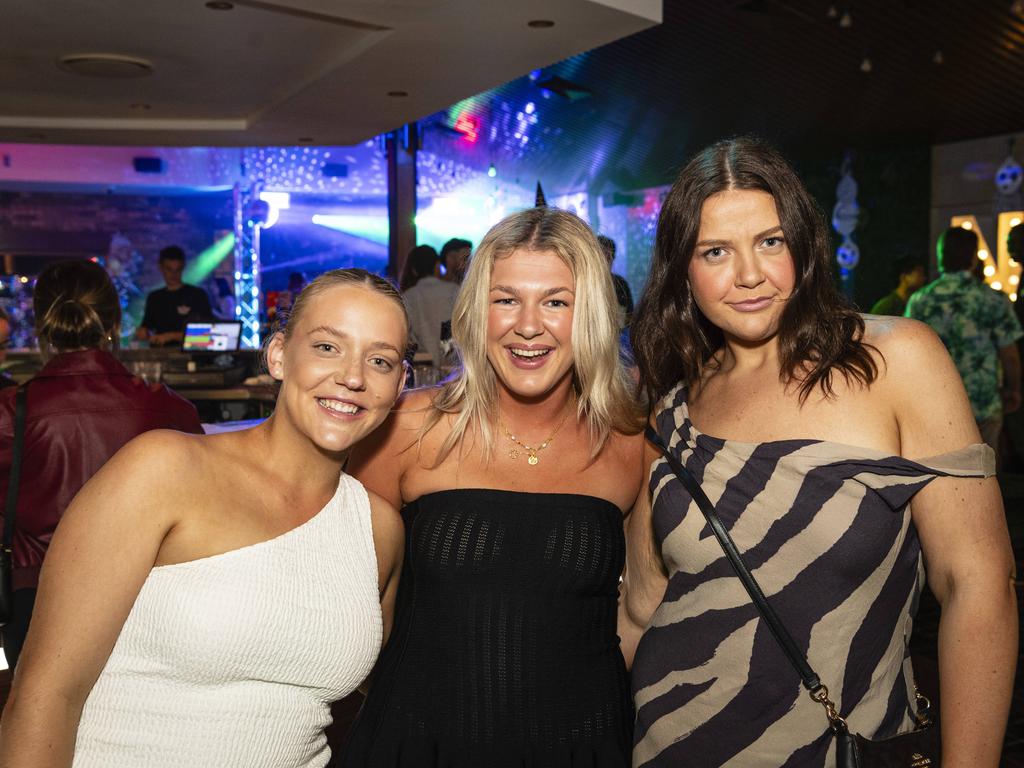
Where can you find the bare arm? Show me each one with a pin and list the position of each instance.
(967, 552)
(1009, 358)
(101, 554)
(389, 544)
(644, 579)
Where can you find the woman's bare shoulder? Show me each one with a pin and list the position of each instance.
(162, 452)
(903, 341)
(415, 403)
(147, 477)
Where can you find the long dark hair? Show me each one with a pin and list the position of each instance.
(819, 333)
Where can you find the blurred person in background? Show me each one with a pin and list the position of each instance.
(1013, 423)
(910, 275)
(455, 259)
(430, 301)
(81, 408)
(421, 262)
(5, 344)
(623, 295)
(979, 329)
(168, 309)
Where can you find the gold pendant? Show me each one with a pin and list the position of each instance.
(532, 461)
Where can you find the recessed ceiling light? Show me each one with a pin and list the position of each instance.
(109, 65)
(219, 5)
(540, 24)
(398, 94)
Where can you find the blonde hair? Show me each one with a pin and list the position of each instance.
(287, 321)
(604, 394)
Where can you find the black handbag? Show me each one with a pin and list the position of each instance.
(10, 510)
(920, 748)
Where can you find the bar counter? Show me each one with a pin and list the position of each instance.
(229, 401)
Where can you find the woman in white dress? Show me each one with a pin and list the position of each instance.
(206, 598)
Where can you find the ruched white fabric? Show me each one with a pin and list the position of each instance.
(233, 660)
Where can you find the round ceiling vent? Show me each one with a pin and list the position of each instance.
(105, 65)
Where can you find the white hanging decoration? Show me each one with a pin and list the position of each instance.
(844, 218)
(1009, 176)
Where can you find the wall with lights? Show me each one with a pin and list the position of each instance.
(998, 270)
(971, 187)
(123, 232)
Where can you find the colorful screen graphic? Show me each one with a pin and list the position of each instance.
(212, 337)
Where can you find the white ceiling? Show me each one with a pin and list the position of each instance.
(277, 72)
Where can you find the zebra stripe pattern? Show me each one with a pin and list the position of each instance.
(826, 530)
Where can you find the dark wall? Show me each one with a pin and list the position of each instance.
(894, 193)
(34, 225)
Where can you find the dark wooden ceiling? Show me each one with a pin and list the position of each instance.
(784, 69)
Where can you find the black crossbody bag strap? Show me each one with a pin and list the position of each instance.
(810, 680)
(10, 510)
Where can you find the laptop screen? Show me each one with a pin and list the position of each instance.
(212, 337)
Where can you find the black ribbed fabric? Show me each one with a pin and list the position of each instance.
(504, 650)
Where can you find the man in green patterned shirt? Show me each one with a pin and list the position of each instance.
(978, 327)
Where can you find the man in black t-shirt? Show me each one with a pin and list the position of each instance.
(168, 309)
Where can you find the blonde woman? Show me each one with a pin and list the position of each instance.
(514, 479)
(205, 598)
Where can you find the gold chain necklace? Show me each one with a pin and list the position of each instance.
(531, 452)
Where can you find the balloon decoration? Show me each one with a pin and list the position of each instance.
(1009, 176)
(844, 221)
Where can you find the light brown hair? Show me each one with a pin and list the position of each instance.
(76, 307)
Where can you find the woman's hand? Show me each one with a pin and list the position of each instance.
(100, 556)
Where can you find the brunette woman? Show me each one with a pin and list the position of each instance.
(842, 456)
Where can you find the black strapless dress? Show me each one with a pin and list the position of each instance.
(504, 651)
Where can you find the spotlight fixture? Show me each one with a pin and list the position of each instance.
(220, 5)
(305, 139)
(832, 12)
(540, 24)
(398, 94)
(937, 57)
(1017, 7)
(846, 20)
(866, 66)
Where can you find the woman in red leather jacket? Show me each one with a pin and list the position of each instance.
(81, 408)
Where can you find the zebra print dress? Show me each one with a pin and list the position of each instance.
(827, 532)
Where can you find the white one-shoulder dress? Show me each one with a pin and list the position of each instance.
(234, 659)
